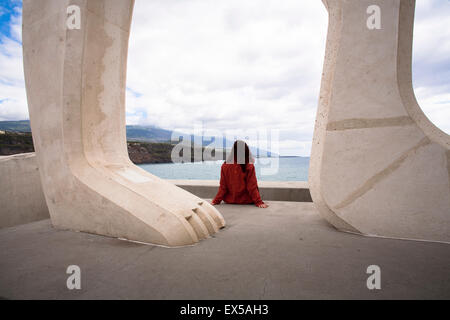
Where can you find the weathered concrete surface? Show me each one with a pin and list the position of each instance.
(21, 197)
(284, 252)
(378, 165)
(75, 80)
(269, 190)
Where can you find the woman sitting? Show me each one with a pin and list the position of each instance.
(238, 182)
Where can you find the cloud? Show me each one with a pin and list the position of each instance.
(13, 101)
(431, 61)
(230, 65)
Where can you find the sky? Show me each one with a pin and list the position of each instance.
(236, 66)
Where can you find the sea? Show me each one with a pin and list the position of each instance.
(267, 169)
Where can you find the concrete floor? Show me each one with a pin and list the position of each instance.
(284, 252)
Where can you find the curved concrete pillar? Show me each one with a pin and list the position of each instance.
(75, 81)
(378, 165)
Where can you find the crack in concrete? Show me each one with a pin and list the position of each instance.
(349, 124)
(263, 294)
(378, 177)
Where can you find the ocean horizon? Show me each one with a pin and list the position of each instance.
(267, 169)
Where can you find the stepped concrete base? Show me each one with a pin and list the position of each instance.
(284, 252)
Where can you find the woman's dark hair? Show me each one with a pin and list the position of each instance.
(247, 154)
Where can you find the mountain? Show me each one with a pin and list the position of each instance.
(137, 133)
(15, 126)
(150, 134)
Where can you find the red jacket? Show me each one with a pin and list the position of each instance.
(238, 187)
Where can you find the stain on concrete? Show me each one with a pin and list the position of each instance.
(380, 176)
(349, 124)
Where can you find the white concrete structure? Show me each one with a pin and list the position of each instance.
(21, 197)
(75, 79)
(378, 165)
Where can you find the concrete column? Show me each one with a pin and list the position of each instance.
(75, 80)
(378, 165)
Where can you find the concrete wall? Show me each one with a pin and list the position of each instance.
(297, 191)
(21, 196)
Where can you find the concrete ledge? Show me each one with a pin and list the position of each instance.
(21, 197)
(296, 191)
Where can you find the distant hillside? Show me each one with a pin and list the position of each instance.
(15, 142)
(146, 152)
(134, 133)
(148, 133)
(15, 126)
(140, 152)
